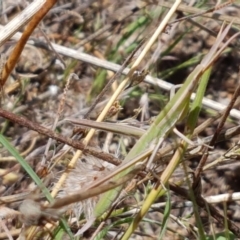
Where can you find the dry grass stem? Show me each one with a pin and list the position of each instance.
(99, 156)
(19, 21)
(68, 52)
(121, 87)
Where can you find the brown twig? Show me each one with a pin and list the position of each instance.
(217, 132)
(13, 58)
(47, 132)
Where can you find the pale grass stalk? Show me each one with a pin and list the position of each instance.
(118, 91)
(68, 52)
(226, 197)
(220, 198)
(167, 173)
(20, 20)
(109, 136)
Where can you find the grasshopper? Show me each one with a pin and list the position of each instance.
(164, 123)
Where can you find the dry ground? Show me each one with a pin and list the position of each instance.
(43, 78)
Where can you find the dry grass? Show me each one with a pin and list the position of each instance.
(68, 59)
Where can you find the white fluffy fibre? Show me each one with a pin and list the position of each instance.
(88, 169)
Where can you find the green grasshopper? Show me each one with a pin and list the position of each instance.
(167, 119)
(175, 109)
(164, 123)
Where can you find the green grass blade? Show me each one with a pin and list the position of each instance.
(164, 123)
(197, 103)
(26, 167)
(166, 215)
(33, 175)
(190, 126)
